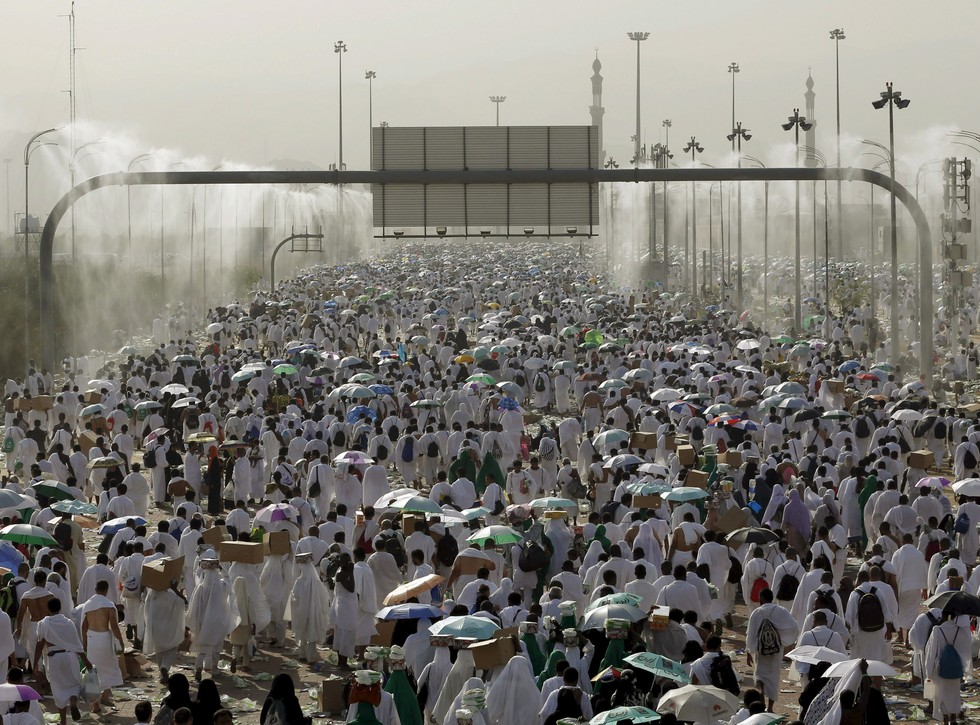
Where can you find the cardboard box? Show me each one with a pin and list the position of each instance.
(733, 518)
(699, 479)
(644, 441)
(686, 455)
(646, 502)
(471, 565)
(835, 387)
(243, 551)
(732, 458)
(386, 630)
(215, 535)
(507, 632)
(922, 459)
(277, 543)
(330, 696)
(160, 573)
(92, 397)
(23, 405)
(131, 664)
(42, 402)
(86, 439)
(670, 442)
(495, 652)
(408, 525)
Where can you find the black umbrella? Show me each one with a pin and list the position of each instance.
(752, 535)
(804, 415)
(956, 602)
(488, 363)
(923, 426)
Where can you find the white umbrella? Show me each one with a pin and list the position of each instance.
(214, 328)
(967, 487)
(666, 395)
(699, 703)
(534, 363)
(622, 460)
(813, 654)
(748, 345)
(906, 415)
(611, 436)
(875, 669)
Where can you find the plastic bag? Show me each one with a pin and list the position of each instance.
(91, 686)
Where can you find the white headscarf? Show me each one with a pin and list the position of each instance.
(514, 698)
(463, 669)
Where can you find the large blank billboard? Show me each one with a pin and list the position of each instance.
(486, 148)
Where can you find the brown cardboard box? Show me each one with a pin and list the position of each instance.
(471, 564)
(86, 439)
(215, 535)
(160, 573)
(670, 442)
(131, 664)
(92, 397)
(835, 386)
(686, 455)
(277, 543)
(646, 502)
(408, 525)
(733, 518)
(698, 479)
(922, 459)
(732, 458)
(645, 441)
(23, 404)
(42, 402)
(243, 551)
(330, 696)
(494, 653)
(386, 631)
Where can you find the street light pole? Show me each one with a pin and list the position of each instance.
(667, 156)
(639, 37)
(7, 216)
(738, 133)
(733, 69)
(129, 208)
(892, 98)
(694, 148)
(370, 75)
(837, 35)
(340, 48)
(497, 100)
(795, 123)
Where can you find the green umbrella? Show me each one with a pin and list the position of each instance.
(570, 331)
(481, 378)
(285, 369)
(633, 714)
(466, 626)
(614, 384)
(782, 339)
(79, 508)
(836, 415)
(54, 489)
(364, 378)
(659, 666)
(647, 488)
(242, 376)
(563, 365)
(594, 336)
(416, 504)
(499, 535)
(27, 534)
(630, 600)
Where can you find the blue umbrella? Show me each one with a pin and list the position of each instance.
(381, 389)
(849, 366)
(355, 413)
(10, 558)
(410, 611)
(113, 526)
(508, 404)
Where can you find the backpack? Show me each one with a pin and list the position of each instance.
(758, 586)
(870, 616)
(365, 543)
(8, 601)
(408, 450)
(576, 489)
(393, 432)
(447, 549)
(539, 385)
(962, 524)
(788, 587)
(150, 458)
(495, 450)
(315, 488)
(339, 439)
(533, 557)
(861, 427)
(432, 450)
(697, 433)
(932, 548)
(276, 714)
(735, 570)
(382, 452)
(950, 662)
(939, 430)
(723, 675)
(769, 641)
(969, 460)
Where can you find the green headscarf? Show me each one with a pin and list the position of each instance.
(534, 653)
(549, 667)
(489, 467)
(406, 702)
(600, 536)
(365, 715)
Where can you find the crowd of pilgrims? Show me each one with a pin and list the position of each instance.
(385, 413)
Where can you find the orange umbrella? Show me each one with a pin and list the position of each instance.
(409, 589)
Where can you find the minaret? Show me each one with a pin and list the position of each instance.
(811, 136)
(596, 108)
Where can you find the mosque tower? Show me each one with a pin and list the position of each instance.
(596, 109)
(810, 159)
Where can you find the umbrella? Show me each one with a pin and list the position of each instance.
(666, 395)
(18, 693)
(79, 508)
(201, 437)
(488, 364)
(630, 600)
(464, 358)
(112, 526)
(481, 378)
(596, 618)
(763, 718)
(813, 654)
(128, 350)
(10, 499)
(836, 415)
(186, 359)
(906, 415)
(54, 489)
(647, 488)
(623, 460)
(351, 361)
(876, 668)
(932, 482)
(415, 504)
(410, 589)
(474, 513)
(276, 512)
(699, 703)
(801, 416)
(362, 378)
(632, 714)
(10, 557)
(175, 389)
(641, 374)
(499, 535)
(684, 408)
(685, 493)
(611, 437)
(27, 534)
(614, 384)
(748, 345)
(147, 405)
(104, 462)
(355, 391)
(564, 365)
(849, 366)
(720, 409)
(186, 403)
(534, 363)
(654, 469)
(356, 458)
(508, 404)
(748, 425)
(791, 387)
(511, 388)
(92, 410)
(792, 404)
(466, 626)
(956, 602)
(426, 404)
(355, 413)
(659, 666)
(967, 487)
(410, 611)
(751, 535)
(553, 502)
(381, 389)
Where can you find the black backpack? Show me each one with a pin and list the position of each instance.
(788, 587)
(735, 570)
(533, 557)
(447, 549)
(722, 674)
(432, 450)
(697, 433)
(969, 460)
(339, 439)
(769, 640)
(382, 452)
(150, 458)
(408, 450)
(539, 384)
(861, 427)
(940, 429)
(870, 615)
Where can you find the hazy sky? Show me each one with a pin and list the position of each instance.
(253, 80)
